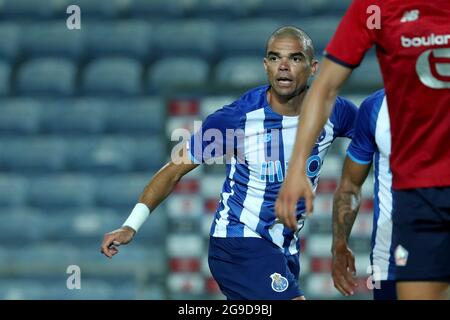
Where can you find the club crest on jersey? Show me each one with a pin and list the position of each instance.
(401, 256)
(279, 283)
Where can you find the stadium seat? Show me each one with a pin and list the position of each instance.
(186, 38)
(10, 44)
(99, 9)
(178, 73)
(336, 8)
(5, 75)
(160, 10)
(74, 116)
(112, 76)
(19, 226)
(85, 225)
(240, 72)
(145, 115)
(13, 190)
(320, 29)
(131, 38)
(32, 154)
(222, 9)
(47, 76)
(19, 116)
(367, 77)
(150, 153)
(21, 290)
(281, 9)
(62, 191)
(28, 9)
(246, 37)
(51, 39)
(121, 191)
(106, 154)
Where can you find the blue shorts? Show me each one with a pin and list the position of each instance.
(253, 269)
(387, 291)
(421, 234)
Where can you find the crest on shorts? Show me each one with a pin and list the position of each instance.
(279, 283)
(401, 256)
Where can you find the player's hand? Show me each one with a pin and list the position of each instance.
(293, 188)
(116, 238)
(343, 269)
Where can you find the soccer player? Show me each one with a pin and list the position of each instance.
(371, 143)
(251, 255)
(413, 48)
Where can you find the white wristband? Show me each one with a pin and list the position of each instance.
(137, 216)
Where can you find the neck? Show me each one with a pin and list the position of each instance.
(287, 106)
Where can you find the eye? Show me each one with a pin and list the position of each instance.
(273, 58)
(297, 59)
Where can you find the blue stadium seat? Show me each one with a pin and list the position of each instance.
(240, 72)
(51, 39)
(121, 191)
(367, 77)
(74, 116)
(159, 10)
(43, 255)
(13, 190)
(178, 73)
(246, 37)
(32, 154)
(19, 116)
(331, 7)
(131, 38)
(10, 44)
(62, 191)
(281, 9)
(47, 76)
(320, 29)
(85, 225)
(21, 290)
(113, 76)
(99, 9)
(222, 9)
(186, 38)
(107, 154)
(5, 76)
(137, 116)
(90, 290)
(20, 226)
(151, 153)
(28, 9)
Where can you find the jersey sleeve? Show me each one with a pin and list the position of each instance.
(343, 117)
(211, 140)
(353, 37)
(363, 145)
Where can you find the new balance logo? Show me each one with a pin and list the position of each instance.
(409, 16)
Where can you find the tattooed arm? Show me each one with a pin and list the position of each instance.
(345, 208)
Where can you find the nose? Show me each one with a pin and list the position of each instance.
(284, 65)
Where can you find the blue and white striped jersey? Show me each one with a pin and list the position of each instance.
(258, 157)
(372, 142)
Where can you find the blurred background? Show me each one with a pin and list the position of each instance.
(86, 118)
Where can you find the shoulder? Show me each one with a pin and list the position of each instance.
(373, 102)
(344, 106)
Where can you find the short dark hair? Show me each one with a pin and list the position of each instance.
(293, 32)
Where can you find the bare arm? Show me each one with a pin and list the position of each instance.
(163, 183)
(347, 199)
(316, 108)
(346, 202)
(159, 187)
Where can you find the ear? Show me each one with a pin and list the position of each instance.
(314, 67)
(265, 64)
